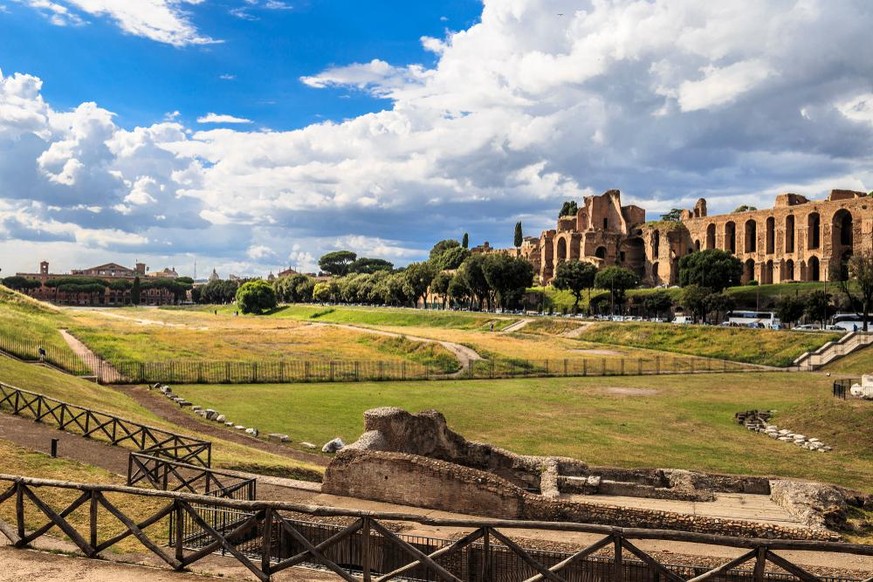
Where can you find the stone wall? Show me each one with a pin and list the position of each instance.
(415, 459)
(413, 480)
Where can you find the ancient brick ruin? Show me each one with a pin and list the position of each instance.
(417, 460)
(796, 240)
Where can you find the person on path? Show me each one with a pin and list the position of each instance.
(41, 352)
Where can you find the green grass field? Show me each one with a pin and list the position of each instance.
(667, 421)
(73, 390)
(663, 421)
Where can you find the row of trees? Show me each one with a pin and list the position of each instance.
(92, 286)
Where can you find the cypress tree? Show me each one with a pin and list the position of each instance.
(135, 292)
(519, 238)
(465, 242)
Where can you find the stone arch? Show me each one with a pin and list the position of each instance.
(710, 236)
(697, 244)
(633, 255)
(748, 270)
(656, 279)
(843, 266)
(813, 269)
(767, 273)
(770, 235)
(730, 237)
(750, 236)
(561, 251)
(788, 271)
(789, 233)
(842, 233)
(813, 231)
(656, 243)
(600, 253)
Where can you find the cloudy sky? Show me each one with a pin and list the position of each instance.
(252, 135)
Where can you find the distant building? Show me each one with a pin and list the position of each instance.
(73, 288)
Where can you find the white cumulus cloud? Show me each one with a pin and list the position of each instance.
(221, 118)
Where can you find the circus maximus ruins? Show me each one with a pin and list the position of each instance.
(796, 240)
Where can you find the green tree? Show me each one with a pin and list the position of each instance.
(694, 300)
(719, 303)
(818, 306)
(256, 297)
(322, 292)
(458, 291)
(744, 208)
(135, 291)
(20, 283)
(617, 280)
(441, 247)
(672, 215)
(519, 236)
(440, 286)
(451, 259)
(472, 274)
(418, 277)
(858, 289)
(337, 263)
(569, 208)
(507, 277)
(713, 268)
(366, 265)
(789, 308)
(658, 302)
(465, 241)
(575, 277)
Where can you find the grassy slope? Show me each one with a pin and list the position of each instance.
(677, 421)
(395, 317)
(19, 461)
(854, 365)
(75, 391)
(23, 319)
(767, 347)
(146, 335)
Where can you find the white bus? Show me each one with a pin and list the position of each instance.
(761, 319)
(852, 321)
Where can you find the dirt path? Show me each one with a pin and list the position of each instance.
(102, 369)
(516, 326)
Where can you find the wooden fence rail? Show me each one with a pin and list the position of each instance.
(265, 525)
(95, 424)
(169, 475)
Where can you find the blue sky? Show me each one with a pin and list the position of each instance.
(252, 135)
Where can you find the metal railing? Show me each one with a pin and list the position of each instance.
(281, 371)
(262, 538)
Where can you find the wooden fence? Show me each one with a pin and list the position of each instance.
(265, 524)
(168, 475)
(281, 371)
(101, 425)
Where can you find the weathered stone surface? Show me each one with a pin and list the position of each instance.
(333, 445)
(274, 436)
(220, 418)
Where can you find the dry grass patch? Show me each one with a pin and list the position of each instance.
(20, 461)
(147, 335)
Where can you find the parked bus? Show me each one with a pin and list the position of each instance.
(762, 319)
(852, 321)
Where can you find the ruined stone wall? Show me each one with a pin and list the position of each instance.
(414, 480)
(796, 240)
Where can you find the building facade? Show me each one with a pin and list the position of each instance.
(796, 240)
(74, 288)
